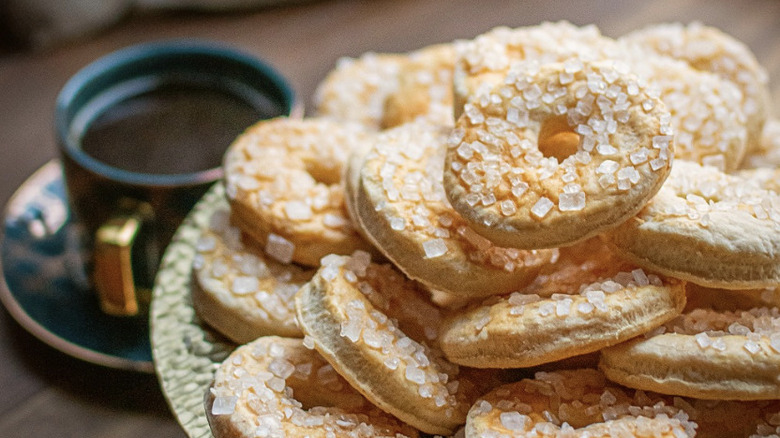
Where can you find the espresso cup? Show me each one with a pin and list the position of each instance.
(141, 133)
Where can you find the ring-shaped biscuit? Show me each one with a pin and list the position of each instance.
(356, 89)
(704, 354)
(277, 387)
(709, 49)
(384, 90)
(484, 61)
(238, 289)
(284, 182)
(401, 205)
(575, 316)
(708, 124)
(707, 227)
(557, 153)
(424, 89)
(574, 403)
(398, 373)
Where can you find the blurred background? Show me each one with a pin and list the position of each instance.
(44, 42)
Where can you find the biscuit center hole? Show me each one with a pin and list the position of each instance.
(558, 139)
(324, 171)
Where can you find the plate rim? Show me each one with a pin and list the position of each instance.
(185, 239)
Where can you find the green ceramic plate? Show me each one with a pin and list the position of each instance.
(185, 350)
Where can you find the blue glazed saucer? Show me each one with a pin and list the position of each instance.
(44, 287)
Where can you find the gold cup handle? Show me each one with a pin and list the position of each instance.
(113, 275)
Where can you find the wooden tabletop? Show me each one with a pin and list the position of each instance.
(45, 393)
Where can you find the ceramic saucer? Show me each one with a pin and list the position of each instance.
(43, 285)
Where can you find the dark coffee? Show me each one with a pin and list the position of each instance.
(172, 128)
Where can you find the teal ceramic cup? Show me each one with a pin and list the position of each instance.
(141, 133)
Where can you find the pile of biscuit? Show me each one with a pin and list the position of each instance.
(538, 232)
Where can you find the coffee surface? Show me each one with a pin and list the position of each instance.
(172, 129)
